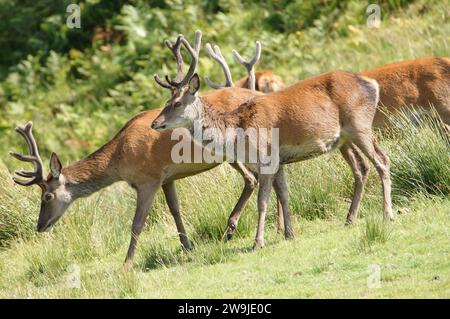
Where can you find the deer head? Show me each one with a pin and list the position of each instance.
(180, 110)
(55, 198)
(184, 106)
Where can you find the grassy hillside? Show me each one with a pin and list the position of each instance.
(326, 259)
(78, 97)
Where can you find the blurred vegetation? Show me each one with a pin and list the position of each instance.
(80, 86)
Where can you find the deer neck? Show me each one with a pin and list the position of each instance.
(91, 174)
(211, 122)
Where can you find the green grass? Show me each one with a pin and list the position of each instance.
(326, 259)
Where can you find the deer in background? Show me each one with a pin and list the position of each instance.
(406, 84)
(265, 81)
(313, 116)
(137, 155)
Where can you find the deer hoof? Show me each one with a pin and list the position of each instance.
(258, 245)
(350, 221)
(230, 230)
(128, 265)
(289, 234)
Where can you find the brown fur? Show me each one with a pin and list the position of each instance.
(309, 108)
(266, 81)
(422, 82)
(137, 153)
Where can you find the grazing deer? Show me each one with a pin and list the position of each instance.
(313, 117)
(137, 155)
(420, 82)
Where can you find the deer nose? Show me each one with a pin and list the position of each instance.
(156, 125)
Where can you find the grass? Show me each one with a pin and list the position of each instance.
(419, 166)
(326, 259)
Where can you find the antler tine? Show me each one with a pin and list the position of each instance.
(194, 54)
(37, 176)
(217, 56)
(176, 50)
(249, 65)
(161, 83)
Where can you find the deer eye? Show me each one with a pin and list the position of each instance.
(178, 104)
(48, 197)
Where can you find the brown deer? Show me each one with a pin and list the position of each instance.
(421, 82)
(250, 83)
(403, 85)
(265, 81)
(334, 110)
(137, 155)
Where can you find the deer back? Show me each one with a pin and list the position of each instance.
(415, 82)
(314, 107)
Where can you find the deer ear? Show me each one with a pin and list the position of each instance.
(55, 165)
(194, 84)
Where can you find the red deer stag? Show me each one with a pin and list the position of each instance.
(312, 117)
(404, 85)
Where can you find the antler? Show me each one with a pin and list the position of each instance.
(176, 50)
(217, 56)
(37, 176)
(177, 83)
(249, 65)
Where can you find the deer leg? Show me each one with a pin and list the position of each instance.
(246, 173)
(384, 172)
(360, 170)
(265, 185)
(145, 195)
(250, 184)
(376, 155)
(281, 188)
(170, 193)
(280, 226)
